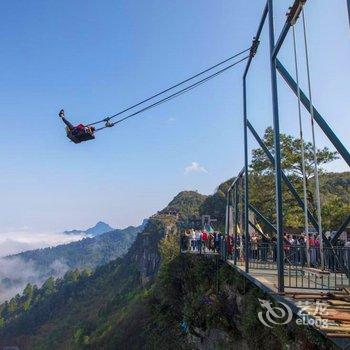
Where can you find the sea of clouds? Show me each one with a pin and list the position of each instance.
(16, 273)
(19, 241)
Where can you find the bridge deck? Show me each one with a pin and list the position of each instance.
(300, 278)
(337, 303)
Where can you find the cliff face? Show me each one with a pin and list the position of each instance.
(195, 314)
(144, 254)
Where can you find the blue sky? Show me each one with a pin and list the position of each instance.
(96, 57)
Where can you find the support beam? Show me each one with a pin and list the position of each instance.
(246, 178)
(257, 37)
(258, 230)
(285, 179)
(317, 116)
(348, 3)
(278, 175)
(235, 225)
(236, 179)
(262, 218)
(227, 223)
(292, 17)
(245, 133)
(341, 229)
(281, 38)
(284, 176)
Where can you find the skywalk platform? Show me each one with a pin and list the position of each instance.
(336, 303)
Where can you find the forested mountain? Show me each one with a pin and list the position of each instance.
(36, 266)
(101, 309)
(86, 253)
(151, 298)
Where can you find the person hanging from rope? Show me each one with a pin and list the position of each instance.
(77, 133)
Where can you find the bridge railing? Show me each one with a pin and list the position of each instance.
(264, 256)
(302, 267)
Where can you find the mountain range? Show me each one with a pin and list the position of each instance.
(35, 266)
(153, 297)
(101, 310)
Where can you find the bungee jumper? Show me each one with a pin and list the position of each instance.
(77, 133)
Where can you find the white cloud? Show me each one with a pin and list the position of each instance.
(171, 120)
(15, 274)
(19, 241)
(195, 167)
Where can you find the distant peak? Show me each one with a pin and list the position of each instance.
(99, 228)
(101, 223)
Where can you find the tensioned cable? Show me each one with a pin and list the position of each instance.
(306, 221)
(171, 87)
(176, 94)
(317, 182)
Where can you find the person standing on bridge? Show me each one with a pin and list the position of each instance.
(302, 250)
(198, 241)
(347, 254)
(193, 240)
(317, 249)
(312, 245)
(230, 246)
(205, 240)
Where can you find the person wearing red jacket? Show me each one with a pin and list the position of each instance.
(205, 239)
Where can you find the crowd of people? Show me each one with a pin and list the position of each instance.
(335, 257)
(298, 252)
(202, 241)
(263, 248)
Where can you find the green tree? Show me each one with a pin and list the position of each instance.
(290, 156)
(28, 296)
(49, 286)
(262, 184)
(334, 212)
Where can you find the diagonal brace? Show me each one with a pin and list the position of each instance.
(341, 229)
(263, 218)
(318, 118)
(284, 177)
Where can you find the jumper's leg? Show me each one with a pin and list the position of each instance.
(65, 121)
